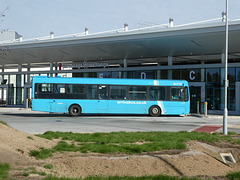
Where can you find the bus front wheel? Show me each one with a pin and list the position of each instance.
(75, 110)
(154, 111)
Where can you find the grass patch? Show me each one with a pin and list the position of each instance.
(29, 137)
(42, 153)
(233, 176)
(48, 166)
(4, 168)
(157, 177)
(32, 170)
(124, 142)
(3, 123)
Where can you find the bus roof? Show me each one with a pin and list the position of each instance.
(69, 80)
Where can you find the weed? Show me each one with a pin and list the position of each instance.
(29, 137)
(233, 176)
(42, 154)
(48, 166)
(42, 173)
(3, 123)
(32, 170)
(25, 174)
(4, 168)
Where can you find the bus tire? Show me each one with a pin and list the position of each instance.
(154, 111)
(75, 110)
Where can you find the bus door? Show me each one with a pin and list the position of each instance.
(43, 97)
(52, 105)
(57, 104)
(103, 103)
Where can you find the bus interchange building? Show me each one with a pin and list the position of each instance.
(194, 52)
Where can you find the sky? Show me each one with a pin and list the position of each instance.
(37, 18)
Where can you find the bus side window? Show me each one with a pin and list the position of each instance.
(45, 88)
(92, 91)
(103, 92)
(60, 88)
(178, 94)
(174, 94)
(76, 91)
(118, 92)
(45, 91)
(157, 93)
(76, 88)
(137, 92)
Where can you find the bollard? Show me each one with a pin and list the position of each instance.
(205, 108)
(27, 103)
(198, 107)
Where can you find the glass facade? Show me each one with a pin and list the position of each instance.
(215, 88)
(15, 90)
(213, 78)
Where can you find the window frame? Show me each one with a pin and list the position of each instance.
(126, 88)
(67, 90)
(146, 99)
(185, 98)
(165, 94)
(98, 92)
(85, 96)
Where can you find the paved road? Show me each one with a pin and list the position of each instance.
(39, 122)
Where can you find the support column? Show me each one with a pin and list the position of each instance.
(120, 72)
(20, 68)
(2, 75)
(125, 63)
(170, 58)
(159, 72)
(2, 79)
(203, 73)
(125, 66)
(223, 58)
(51, 69)
(56, 68)
(8, 79)
(29, 75)
(19, 94)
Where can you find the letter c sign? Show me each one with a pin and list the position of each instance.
(192, 75)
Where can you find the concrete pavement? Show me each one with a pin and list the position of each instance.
(40, 122)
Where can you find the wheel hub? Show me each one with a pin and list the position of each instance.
(155, 110)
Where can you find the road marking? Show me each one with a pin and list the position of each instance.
(208, 128)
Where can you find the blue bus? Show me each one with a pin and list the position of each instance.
(116, 96)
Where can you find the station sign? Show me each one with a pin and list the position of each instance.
(84, 65)
(192, 75)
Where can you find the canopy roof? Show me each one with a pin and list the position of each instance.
(195, 39)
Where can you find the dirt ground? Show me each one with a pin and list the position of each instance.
(199, 160)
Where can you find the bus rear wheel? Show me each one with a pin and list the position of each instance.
(154, 111)
(75, 110)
